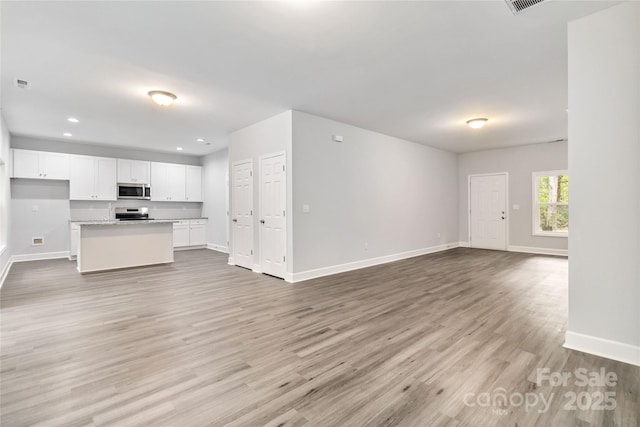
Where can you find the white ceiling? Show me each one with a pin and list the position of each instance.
(414, 70)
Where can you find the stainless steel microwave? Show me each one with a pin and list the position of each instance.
(134, 191)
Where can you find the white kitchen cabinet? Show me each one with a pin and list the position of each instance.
(40, 165)
(198, 232)
(92, 178)
(193, 184)
(168, 182)
(74, 239)
(190, 233)
(133, 171)
(181, 233)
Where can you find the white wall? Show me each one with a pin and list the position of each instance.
(520, 163)
(268, 136)
(395, 196)
(50, 221)
(604, 160)
(5, 198)
(216, 198)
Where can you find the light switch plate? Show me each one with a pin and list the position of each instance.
(306, 209)
(516, 207)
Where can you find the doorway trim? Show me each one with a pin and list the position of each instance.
(506, 202)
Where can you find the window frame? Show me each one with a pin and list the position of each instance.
(535, 211)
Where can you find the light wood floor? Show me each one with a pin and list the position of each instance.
(201, 343)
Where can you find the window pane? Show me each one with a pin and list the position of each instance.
(543, 189)
(563, 193)
(553, 189)
(554, 219)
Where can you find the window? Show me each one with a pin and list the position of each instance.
(551, 203)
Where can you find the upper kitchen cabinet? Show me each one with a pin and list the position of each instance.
(168, 182)
(92, 178)
(194, 184)
(40, 165)
(133, 171)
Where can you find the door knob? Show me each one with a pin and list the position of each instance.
(262, 221)
(234, 220)
(502, 217)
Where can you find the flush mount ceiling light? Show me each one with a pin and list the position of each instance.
(67, 134)
(179, 148)
(477, 123)
(73, 120)
(162, 98)
(200, 140)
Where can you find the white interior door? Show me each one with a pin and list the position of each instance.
(488, 219)
(273, 202)
(242, 213)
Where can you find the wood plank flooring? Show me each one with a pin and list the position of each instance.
(200, 343)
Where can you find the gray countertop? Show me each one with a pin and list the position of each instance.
(113, 222)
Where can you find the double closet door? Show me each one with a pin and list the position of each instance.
(270, 217)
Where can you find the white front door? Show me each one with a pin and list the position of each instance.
(242, 213)
(273, 202)
(488, 203)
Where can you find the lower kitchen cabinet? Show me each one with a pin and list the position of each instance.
(190, 232)
(181, 233)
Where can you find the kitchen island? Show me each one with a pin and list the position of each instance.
(109, 245)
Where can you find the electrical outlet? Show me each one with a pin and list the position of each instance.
(366, 246)
(37, 241)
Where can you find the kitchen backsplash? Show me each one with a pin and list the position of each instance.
(90, 210)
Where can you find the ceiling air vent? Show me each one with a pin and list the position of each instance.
(22, 84)
(518, 6)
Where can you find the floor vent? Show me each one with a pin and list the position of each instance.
(518, 6)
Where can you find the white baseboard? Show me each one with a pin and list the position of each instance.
(231, 262)
(341, 268)
(5, 272)
(214, 247)
(41, 256)
(540, 251)
(189, 248)
(256, 268)
(463, 244)
(603, 347)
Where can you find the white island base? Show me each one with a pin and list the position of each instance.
(109, 245)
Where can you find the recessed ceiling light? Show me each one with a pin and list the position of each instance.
(199, 139)
(477, 123)
(179, 148)
(73, 120)
(67, 134)
(162, 98)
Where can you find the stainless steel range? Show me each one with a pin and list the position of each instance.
(132, 214)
